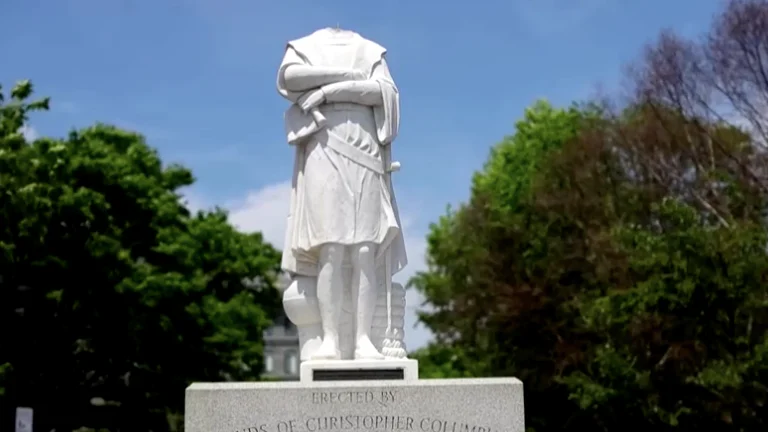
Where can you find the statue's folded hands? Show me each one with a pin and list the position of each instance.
(366, 92)
(311, 100)
(303, 77)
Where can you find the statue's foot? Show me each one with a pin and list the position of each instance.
(366, 351)
(327, 351)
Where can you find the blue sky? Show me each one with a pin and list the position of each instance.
(197, 77)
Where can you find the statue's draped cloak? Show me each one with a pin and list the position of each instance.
(300, 253)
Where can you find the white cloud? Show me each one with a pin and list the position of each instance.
(30, 134)
(266, 209)
(193, 201)
(263, 210)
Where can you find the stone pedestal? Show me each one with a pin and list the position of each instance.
(455, 405)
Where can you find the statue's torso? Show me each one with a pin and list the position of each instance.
(352, 123)
(342, 53)
(339, 48)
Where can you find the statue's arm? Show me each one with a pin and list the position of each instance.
(367, 92)
(301, 77)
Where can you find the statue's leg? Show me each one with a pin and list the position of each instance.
(330, 284)
(364, 295)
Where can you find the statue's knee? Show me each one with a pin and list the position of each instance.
(332, 253)
(365, 253)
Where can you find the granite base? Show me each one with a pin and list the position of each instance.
(448, 405)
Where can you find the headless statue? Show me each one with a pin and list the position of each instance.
(342, 121)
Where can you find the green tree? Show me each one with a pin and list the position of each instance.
(517, 275)
(681, 343)
(502, 276)
(614, 259)
(686, 347)
(443, 361)
(113, 296)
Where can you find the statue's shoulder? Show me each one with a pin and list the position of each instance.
(301, 41)
(373, 51)
(300, 45)
(311, 42)
(373, 46)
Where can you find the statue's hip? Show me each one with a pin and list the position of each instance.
(350, 130)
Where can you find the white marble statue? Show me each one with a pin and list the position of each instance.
(344, 239)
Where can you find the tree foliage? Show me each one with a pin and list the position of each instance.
(613, 255)
(498, 291)
(685, 346)
(113, 297)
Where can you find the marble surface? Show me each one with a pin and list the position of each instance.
(344, 238)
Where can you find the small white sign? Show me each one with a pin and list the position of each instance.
(23, 419)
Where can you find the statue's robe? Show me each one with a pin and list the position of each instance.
(340, 188)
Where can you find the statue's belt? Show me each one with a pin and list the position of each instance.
(340, 146)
